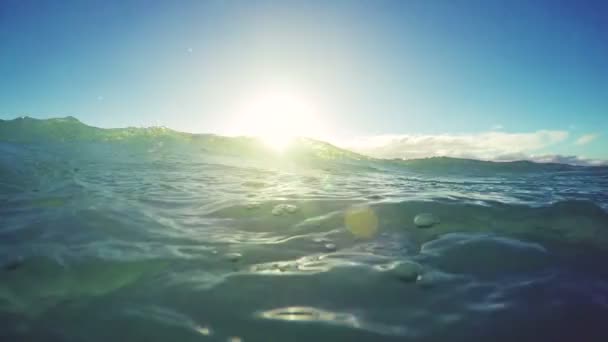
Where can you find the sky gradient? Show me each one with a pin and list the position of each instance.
(386, 76)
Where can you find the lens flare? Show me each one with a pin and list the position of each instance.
(361, 221)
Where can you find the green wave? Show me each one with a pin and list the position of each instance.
(71, 130)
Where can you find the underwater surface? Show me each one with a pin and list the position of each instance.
(147, 234)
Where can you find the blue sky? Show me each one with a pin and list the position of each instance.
(390, 69)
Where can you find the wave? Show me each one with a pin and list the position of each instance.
(27, 130)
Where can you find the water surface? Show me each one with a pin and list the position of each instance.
(151, 235)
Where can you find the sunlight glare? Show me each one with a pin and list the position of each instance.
(277, 117)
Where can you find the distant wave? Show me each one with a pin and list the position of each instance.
(69, 130)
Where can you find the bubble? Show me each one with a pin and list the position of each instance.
(330, 247)
(426, 220)
(362, 222)
(407, 271)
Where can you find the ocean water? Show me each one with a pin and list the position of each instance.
(146, 234)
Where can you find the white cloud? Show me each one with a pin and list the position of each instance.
(486, 145)
(552, 158)
(586, 138)
(561, 159)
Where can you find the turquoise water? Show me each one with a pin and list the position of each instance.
(154, 235)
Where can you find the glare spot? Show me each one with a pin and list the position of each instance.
(361, 221)
(277, 116)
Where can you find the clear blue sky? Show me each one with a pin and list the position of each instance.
(377, 67)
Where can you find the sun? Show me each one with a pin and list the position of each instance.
(277, 117)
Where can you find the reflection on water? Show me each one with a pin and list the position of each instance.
(166, 316)
(309, 314)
